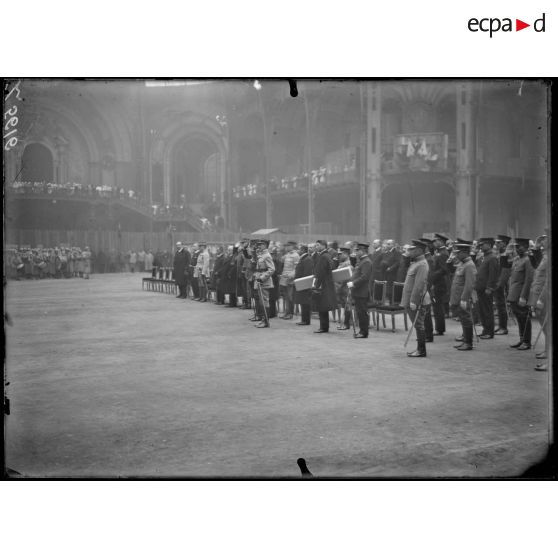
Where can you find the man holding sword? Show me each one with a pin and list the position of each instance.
(461, 293)
(415, 297)
(359, 289)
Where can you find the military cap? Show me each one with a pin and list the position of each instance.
(345, 249)
(503, 238)
(439, 236)
(486, 240)
(291, 243)
(322, 242)
(522, 242)
(363, 245)
(426, 241)
(462, 247)
(461, 241)
(418, 244)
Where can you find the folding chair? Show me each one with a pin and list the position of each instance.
(392, 308)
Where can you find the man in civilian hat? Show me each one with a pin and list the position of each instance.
(263, 281)
(324, 287)
(485, 285)
(415, 298)
(439, 279)
(304, 268)
(521, 278)
(286, 281)
(461, 293)
(359, 287)
(181, 264)
(501, 291)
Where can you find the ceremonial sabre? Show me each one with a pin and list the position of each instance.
(352, 304)
(262, 302)
(540, 331)
(414, 321)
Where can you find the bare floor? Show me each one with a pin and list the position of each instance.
(107, 380)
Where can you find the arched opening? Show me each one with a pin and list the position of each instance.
(410, 210)
(37, 164)
(194, 174)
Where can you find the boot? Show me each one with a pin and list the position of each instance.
(265, 320)
(467, 339)
(421, 345)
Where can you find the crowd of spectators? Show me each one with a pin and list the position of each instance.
(320, 177)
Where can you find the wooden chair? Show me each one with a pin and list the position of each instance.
(392, 308)
(377, 298)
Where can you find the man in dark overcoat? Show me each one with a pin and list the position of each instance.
(181, 266)
(324, 287)
(304, 268)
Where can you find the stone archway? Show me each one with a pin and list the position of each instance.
(37, 163)
(192, 127)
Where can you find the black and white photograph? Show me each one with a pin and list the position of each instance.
(287, 278)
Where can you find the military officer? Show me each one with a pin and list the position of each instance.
(520, 283)
(263, 279)
(342, 290)
(501, 291)
(485, 285)
(461, 293)
(439, 279)
(415, 296)
(193, 276)
(538, 296)
(359, 287)
(202, 268)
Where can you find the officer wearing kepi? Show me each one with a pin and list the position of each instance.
(415, 297)
(439, 278)
(520, 284)
(359, 289)
(263, 279)
(461, 293)
(485, 285)
(500, 294)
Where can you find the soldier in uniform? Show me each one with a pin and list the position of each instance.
(202, 267)
(286, 280)
(263, 277)
(180, 269)
(193, 275)
(360, 289)
(538, 296)
(520, 283)
(304, 268)
(428, 325)
(485, 285)
(324, 285)
(461, 293)
(501, 291)
(341, 289)
(217, 277)
(415, 298)
(439, 278)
